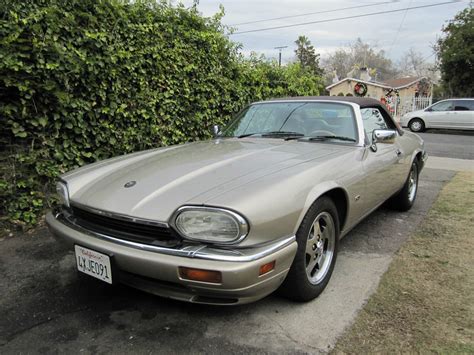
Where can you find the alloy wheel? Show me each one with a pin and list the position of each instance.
(320, 246)
(412, 183)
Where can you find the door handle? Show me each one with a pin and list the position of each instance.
(399, 152)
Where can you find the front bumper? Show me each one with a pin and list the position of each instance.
(155, 269)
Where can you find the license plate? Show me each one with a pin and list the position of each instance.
(93, 263)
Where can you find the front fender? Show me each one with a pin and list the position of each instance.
(315, 193)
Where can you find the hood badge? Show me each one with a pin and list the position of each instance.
(130, 184)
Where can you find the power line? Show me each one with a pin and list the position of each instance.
(428, 57)
(314, 13)
(399, 29)
(345, 18)
(423, 60)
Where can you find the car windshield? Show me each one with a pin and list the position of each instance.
(295, 120)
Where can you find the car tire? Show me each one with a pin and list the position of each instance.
(416, 125)
(405, 198)
(318, 241)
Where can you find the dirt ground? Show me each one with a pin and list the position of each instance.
(425, 302)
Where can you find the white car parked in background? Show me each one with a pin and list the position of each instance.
(451, 114)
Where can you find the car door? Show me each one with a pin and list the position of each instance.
(464, 113)
(441, 115)
(385, 167)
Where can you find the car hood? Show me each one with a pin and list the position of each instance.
(165, 179)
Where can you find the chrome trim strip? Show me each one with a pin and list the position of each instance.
(270, 249)
(190, 251)
(119, 216)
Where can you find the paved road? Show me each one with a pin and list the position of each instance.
(449, 144)
(46, 308)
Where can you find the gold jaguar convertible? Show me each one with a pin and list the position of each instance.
(260, 207)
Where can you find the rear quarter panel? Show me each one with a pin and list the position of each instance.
(411, 144)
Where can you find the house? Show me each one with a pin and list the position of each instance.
(401, 95)
(408, 86)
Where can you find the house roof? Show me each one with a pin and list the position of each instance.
(374, 83)
(398, 83)
(403, 82)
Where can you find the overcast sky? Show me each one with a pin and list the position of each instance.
(393, 32)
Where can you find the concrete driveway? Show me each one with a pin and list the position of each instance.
(46, 307)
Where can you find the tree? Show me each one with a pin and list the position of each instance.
(456, 54)
(266, 79)
(360, 55)
(413, 63)
(307, 56)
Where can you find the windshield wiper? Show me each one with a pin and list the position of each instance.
(323, 138)
(282, 133)
(247, 135)
(278, 134)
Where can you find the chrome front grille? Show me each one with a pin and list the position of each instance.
(127, 229)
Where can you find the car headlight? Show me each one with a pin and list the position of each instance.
(209, 224)
(63, 193)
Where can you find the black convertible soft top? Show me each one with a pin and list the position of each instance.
(363, 102)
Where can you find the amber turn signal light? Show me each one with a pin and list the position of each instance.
(200, 275)
(266, 268)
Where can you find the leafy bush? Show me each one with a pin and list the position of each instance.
(84, 80)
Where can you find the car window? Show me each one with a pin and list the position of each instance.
(306, 118)
(442, 106)
(373, 119)
(464, 105)
(470, 104)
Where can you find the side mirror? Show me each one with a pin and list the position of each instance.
(386, 136)
(216, 131)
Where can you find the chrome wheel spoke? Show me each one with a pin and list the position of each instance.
(321, 260)
(310, 245)
(326, 233)
(311, 265)
(317, 229)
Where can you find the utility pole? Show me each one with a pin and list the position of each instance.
(279, 54)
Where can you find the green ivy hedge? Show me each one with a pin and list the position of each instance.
(84, 80)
